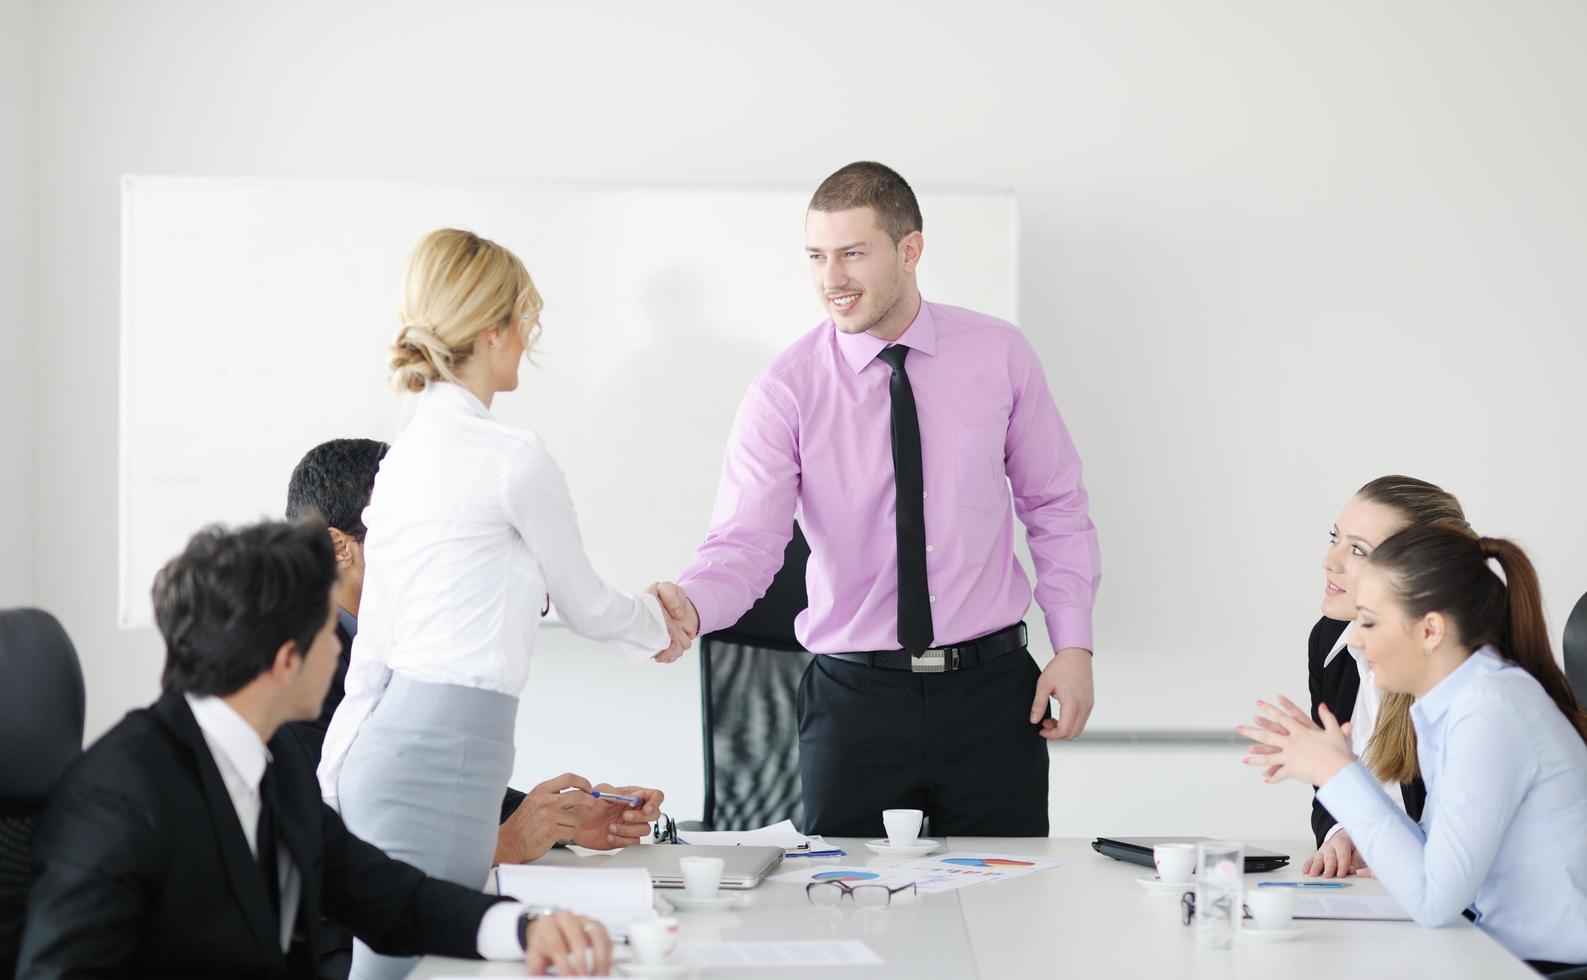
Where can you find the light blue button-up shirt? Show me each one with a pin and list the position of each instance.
(1504, 831)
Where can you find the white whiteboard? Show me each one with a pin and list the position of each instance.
(256, 316)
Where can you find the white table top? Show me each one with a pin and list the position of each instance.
(1087, 918)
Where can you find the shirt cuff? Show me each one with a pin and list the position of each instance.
(706, 604)
(1332, 831)
(1069, 626)
(498, 937)
(1353, 795)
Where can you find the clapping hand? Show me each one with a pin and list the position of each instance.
(683, 622)
(1292, 746)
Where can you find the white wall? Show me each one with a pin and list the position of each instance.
(1269, 171)
(19, 36)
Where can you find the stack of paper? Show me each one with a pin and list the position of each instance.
(1379, 907)
(614, 896)
(781, 835)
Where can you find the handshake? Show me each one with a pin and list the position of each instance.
(683, 622)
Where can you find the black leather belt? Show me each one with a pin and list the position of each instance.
(939, 660)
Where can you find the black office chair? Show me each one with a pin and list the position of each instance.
(41, 732)
(1575, 649)
(749, 679)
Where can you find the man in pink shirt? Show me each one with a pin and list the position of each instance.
(895, 432)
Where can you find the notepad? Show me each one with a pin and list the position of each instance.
(1375, 907)
(615, 897)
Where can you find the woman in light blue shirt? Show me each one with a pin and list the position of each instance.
(1501, 740)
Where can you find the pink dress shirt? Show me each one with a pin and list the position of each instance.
(812, 440)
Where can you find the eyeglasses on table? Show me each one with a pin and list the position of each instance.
(831, 894)
(1187, 908)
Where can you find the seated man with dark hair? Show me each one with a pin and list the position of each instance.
(191, 839)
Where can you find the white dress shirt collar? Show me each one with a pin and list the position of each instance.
(227, 732)
(446, 395)
(1340, 644)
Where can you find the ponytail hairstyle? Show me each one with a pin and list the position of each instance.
(1391, 752)
(457, 286)
(1445, 569)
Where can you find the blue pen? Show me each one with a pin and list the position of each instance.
(815, 854)
(630, 800)
(1303, 884)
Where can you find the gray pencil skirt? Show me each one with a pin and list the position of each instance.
(423, 782)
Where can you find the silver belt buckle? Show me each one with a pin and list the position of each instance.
(933, 661)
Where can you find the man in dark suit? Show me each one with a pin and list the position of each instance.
(191, 839)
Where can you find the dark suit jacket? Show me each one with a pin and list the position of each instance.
(1336, 686)
(143, 869)
(311, 734)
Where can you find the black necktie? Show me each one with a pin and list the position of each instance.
(269, 868)
(914, 599)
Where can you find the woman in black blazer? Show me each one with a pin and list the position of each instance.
(1377, 510)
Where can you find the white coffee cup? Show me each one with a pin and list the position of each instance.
(702, 876)
(903, 826)
(653, 940)
(1271, 908)
(1175, 863)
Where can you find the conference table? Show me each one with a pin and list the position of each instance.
(1086, 918)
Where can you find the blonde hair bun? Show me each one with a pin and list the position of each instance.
(456, 286)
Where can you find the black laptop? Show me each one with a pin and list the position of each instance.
(1138, 850)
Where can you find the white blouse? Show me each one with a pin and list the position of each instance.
(471, 528)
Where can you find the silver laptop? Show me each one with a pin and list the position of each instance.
(743, 866)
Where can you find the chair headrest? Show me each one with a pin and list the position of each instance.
(41, 705)
(1575, 648)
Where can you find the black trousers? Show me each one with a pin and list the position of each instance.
(958, 745)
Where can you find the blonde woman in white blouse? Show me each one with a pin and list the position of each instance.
(471, 528)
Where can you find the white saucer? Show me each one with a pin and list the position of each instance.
(1252, 934)
(684, 903)
(1164, 888)
(887, 849)
(676, 966)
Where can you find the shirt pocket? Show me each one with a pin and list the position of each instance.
(980, 479)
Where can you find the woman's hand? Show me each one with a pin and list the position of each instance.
(576, 946)
(1295, 748)
(683, 622)
(1336, 858)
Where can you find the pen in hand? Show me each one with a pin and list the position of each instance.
(618, 797)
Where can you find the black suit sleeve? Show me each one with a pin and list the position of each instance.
(393, 906)
(1321, 820)
(97, 859)
(509, 803)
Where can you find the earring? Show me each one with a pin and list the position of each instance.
(1427, 651)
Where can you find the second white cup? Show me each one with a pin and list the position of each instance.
(903, 826)
(653, 941)
(1271, 908)
(1175, 863)
(702, 877)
